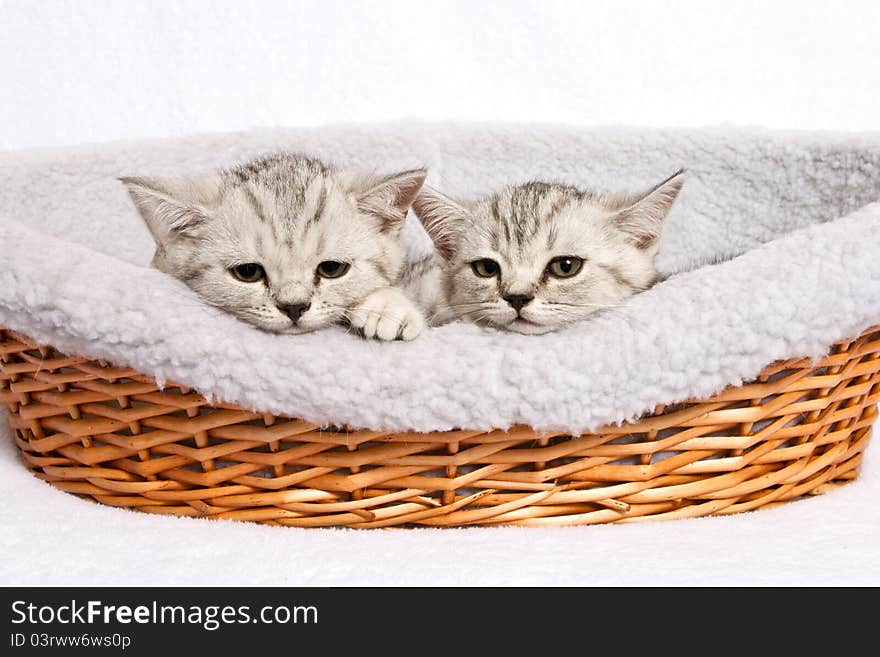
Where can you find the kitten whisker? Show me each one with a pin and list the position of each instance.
(450, 310)
(585, 305)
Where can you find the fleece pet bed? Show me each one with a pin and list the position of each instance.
(796, 207)
(770, 254)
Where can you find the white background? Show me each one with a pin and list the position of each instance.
(73, 72)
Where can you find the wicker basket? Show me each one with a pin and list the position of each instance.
(113, 435)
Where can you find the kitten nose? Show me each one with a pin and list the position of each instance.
(518, 301)
(294, 310)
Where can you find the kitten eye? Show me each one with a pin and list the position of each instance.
(249, 272)
(485, 268)
(565, 266)
(332, 268)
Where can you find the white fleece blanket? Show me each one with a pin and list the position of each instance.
(799, 206)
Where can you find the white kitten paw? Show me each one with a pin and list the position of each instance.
(387, 314)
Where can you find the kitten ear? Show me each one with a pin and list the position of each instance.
(643, 219)
(441, 216)
(166, 214)
(391, 197)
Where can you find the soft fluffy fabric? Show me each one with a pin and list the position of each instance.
(798, 206)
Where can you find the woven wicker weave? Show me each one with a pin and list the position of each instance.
(113, 435)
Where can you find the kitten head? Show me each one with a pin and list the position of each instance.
(285, 243)
(535, 257)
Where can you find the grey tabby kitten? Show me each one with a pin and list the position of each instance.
(288, 243)
(535, 257)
